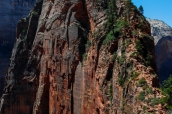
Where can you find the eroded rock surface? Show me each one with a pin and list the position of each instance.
(70, 63)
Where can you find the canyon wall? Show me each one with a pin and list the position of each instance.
(11, 11)
(73, 57)
(162, 34)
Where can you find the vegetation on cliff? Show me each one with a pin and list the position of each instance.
(167, 92)
(70, 70)
(120, 28)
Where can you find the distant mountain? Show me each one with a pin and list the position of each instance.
(162, 34)
(159, 29)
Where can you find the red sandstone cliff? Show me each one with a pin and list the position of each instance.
(67, 64)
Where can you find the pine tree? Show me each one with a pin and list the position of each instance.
(111, 14)
(141, 9)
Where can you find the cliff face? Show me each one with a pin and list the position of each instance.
(76, 59)
(10, 13)
(4, 64)
(163, 40)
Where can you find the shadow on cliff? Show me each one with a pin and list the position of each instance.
(164, 57)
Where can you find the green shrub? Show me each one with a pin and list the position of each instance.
(121, 80)
(34, 13)
(167, 92)
(88, 45)
(109, 38)
(144, 108)
(135, 33)
(111, 15)
(123, 104)
(121, 59)
(140, 52)
(149, 100)
(96, 33)
(149, 90)
(114, 26)
(142, 82)
(84, 56)
(148, 59)
(127, 42)
(114, 56)
(145, 87)
(133, 54)
(139, 47)
(135, 75)
(141, 96)
(120, 24)
(155, 101)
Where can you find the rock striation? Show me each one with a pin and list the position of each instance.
(72, 57)
(11, 11)
(163, 40)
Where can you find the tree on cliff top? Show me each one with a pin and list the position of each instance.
(141, 9)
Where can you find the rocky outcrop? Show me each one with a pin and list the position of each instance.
(163, 40)
(11, 11)
(79, 60)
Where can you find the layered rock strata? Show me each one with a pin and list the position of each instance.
(70, 63)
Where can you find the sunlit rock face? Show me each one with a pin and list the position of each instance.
(11, 11)
(159, 29)
(162, 34)
(65, 61)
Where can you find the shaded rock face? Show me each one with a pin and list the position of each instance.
(4, 64)
(11, 11)
(164, 58)
(163, 40)
(64, 63)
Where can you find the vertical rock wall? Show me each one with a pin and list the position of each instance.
(68, 65)
(11, 11)
(19, 85)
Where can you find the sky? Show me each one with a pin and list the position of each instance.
(156, 9)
